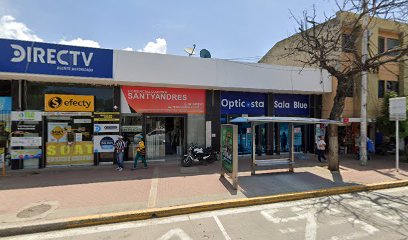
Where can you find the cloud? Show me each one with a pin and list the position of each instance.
(10, 28)
(128, 49)
(160, 46)
(80, 42)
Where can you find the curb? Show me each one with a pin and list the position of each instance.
(93, 220)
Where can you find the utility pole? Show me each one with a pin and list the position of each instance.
(363, 117)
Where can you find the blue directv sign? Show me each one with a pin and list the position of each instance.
(243, 103)
(291, 105)
(54, 59)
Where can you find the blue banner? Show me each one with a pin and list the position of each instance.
(286, 105)
(243, 103)
(5, 103)
(54, 59)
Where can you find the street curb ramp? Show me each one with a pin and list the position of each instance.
(94, 220)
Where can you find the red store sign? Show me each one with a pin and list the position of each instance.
(165, 100)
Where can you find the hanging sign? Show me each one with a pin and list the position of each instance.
(105, 143)
(26, 116)
(164, 100)
(23, 154)
(106, 116)
(101, 128)
(68, 103)
(25, 141)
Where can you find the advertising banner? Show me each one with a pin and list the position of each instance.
(57, 131)
(69, 154)
(291, 105)
(23, 154)
(68, 103)
(243, 103)
(25, 141)
(26, 116)
(5, 103)
(165, 100)
(229, 152)
(2, 152)
(101, 128)
(54, 59)
(105, 143)
(106, 116)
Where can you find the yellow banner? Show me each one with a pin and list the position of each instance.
(65, 154)
(68, 103)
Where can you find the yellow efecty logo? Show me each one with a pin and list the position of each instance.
(68, 103)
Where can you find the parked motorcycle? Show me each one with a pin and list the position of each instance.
(197, 154)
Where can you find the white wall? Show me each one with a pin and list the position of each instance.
(134, 68)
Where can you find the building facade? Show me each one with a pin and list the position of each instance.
(384, 34)
(66, 105)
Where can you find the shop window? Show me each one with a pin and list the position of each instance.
(348, 43)
(381, 88)
(392, 86)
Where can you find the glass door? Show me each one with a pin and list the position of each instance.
(155, 138)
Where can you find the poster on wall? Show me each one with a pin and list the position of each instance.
(57, 131)
(162, 100)
(23, 154)
(25, 142)
(5, 103)
(2, 153)
(101, 128)
(104, 143)
(297, 141)
(69, 154)
(284, 137)
(26, 116)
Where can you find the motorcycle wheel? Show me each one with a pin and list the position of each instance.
(187, 161)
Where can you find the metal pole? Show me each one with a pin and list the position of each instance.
(253, 149)
(292, 150)
(397, 145)
(363, 124)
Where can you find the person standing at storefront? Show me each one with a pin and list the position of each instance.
(140, 151)
(321, 147)
(120, 145)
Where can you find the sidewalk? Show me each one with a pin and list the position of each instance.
(29, 196)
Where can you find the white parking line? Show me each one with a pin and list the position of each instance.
(221, 227)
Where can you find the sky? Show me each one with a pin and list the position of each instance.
(230, 29)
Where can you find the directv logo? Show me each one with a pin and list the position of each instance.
(50, 56)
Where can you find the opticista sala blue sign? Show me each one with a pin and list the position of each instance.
(242, 103)
(54, 59)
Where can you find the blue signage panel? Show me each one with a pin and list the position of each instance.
(54, 59)
(243, 103)
(291, 105)
(5, 103)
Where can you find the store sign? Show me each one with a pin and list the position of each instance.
(68, 103)
(23, 154)
(100, 128)
(291, 105)
(52, 59)
(5, 103)
(26, 116)
(164, 100)
(106, 117)
(105, 143)
(25, 141)
(243, 103)
(69, 154)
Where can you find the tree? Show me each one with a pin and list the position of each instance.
(334, 44)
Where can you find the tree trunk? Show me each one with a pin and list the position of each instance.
(333, 148)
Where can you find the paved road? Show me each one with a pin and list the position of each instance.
(375, 215)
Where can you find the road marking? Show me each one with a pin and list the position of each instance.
(153, 189)
(221, 227)
(177, 232)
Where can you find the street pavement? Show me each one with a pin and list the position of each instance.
(369, 215)
(35, 196)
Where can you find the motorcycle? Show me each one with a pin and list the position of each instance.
(197, 154)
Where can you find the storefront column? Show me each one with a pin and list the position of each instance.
(213, 114)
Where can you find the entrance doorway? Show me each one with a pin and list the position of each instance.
(165, 137)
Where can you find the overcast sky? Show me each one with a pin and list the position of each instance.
(229, 29)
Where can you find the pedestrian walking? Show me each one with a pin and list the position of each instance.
(120, 145)
(140, 151)
(321, 147)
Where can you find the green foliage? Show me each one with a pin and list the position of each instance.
(383, 122)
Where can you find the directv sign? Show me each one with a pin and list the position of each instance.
(291, 105)
(243, 103)
(53, 59)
